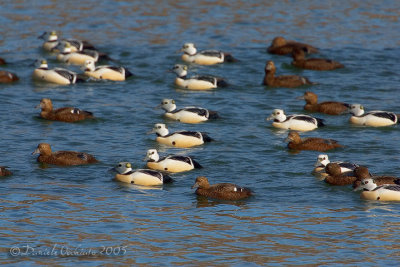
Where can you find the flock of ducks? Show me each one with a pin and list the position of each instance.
(76, 52)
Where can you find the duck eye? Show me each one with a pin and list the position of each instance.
(159, 127)
(152, 153)
(119, 165)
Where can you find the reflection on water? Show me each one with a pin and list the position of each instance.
(293, 218)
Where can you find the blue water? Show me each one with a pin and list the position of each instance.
(80, 215)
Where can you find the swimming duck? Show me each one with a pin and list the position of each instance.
(63, 158)
(310, 143)
(336, 177)
(376, 118)
(203, 82)
(300, 61)
(7, 77)
(144, 177)
(4, 171)
(281, 46)
(224, 191)
(182, 139)
(329, 107)
(294, 122)
(386, 192)
(52, 44)
(56, 75)
(66, 114)
(105, 72)
(187, 114)
(284, 80)
(206, 57)
(78, 57)
(171, 163)
(323, 160)
(362, 172)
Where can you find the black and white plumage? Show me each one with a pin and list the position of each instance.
(386, 192)
(56, 75)
(105, 72)
(197, 82)
(145, 177)
(186, 114)
(295, 122)
(376, 118)
(323, 160)
(53, 44)
(206, 57)
(170, 163)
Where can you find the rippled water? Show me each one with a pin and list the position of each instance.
(80, 215)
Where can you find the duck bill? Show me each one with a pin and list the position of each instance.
(151, 131)
(196, 185)
(42, 36)
(37, 151)
(300, 97)
(269, 118)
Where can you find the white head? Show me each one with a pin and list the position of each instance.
(67, 48)
(52, 36)
(88, 65)
(41, 63)
(180, 70)
(152, 155)
(123, 167)
(277, 114)
(322, 160)
(367, 184)
(357, 109)
(160, 129)
(189, 48)
(168, 104)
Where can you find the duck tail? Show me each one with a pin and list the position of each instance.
(80, 78)
(229, 58)
(320, 122)
(221, 83)
(206, 137)
(196, 165)
(212, 115)
(128, 74)
(167, 179)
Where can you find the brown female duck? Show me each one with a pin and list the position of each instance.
(224, 191)
(310, 143)
(62, 158)
(300, 61)
(4, 171)
(362, 172)
(284, 80)
(66, 114)
(336, 177)
(328, 107)
(281, 46)
(7, 77)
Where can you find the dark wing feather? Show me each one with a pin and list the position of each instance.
(66, 74)
(198, 111)
(393, 187)
(348, 165)
(157, 174)
(181, 158)
(206, 78)
(302, 117)
(190, 133)
(387, 115)
(212, 53)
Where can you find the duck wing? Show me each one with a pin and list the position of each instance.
(69, 75)
(212, 53)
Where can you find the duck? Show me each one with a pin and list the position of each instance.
(78, 57)
(57, 75)
(337, 177)
(65, 114)
(297, 122)
(300, 61)
(222, 191)
(289, 81)
(198, 82)
(4, 171)
(328, 107)
(62, 158)
(171, 163)
(281, 46)
(385, 192)
(323, 160)
(362, 172)
(145, 177)
(186, 114)
(105, 72)
(8, 77)
(206, 57)
(51, 43)
(376, 118)
(182, 139)
(310, 143)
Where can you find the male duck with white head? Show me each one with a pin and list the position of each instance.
(56, 75)
(145, 177)
(183, 139)
(376, 118)
(206, 57)
(170, 163)
(297, 122)
(186, 114)
(105, 72)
